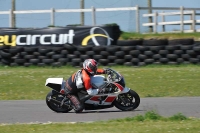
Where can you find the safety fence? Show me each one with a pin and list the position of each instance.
(182, 14)
(139, 16)
(130, 53)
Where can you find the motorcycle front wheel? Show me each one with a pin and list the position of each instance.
(127, 101)
(56, 107)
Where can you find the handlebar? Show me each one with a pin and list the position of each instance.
(112, 75)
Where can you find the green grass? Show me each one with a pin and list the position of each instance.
(151, 122)
(19, 83)
(132, 35)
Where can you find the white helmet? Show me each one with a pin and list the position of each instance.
(90, 65)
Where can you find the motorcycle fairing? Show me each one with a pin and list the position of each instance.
(96, 100)
(125, 90)
(97, 80)
(54, 83)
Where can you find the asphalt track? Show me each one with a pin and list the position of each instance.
(36, 111)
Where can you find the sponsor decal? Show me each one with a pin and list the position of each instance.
(93, 37)
(77, 36)
(45, 39)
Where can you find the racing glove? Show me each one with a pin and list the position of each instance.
(101, 91)
(106, 70)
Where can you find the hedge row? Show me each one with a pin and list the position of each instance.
(106, 55)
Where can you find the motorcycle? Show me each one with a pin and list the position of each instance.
(116, 94)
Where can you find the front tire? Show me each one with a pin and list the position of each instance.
(127, 101)
(55, 107)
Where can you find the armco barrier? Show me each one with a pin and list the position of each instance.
(136, 55)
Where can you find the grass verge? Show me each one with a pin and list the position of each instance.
(151, 122)
(169, 36)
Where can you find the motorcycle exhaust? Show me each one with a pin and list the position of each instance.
(58, 102)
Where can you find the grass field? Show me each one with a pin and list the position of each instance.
(189, 126)
(19, 83)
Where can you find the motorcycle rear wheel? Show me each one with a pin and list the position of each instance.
(127, 101)
(56, 107)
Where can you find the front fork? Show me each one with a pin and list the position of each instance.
(125, 90)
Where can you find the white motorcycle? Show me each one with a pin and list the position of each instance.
(117, 94)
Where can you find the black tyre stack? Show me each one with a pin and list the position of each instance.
(126, 52)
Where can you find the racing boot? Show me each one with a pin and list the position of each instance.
(77, 104)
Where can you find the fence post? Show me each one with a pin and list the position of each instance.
(150, 12)
(155, 22)
(182, 19)
(10, 18)
(193, 18)
(93, 16)
(137, 19)
(163, 20)
(52, 17)
(13, 14)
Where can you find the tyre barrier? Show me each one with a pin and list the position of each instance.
(138, 55)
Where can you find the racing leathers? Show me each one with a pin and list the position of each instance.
(81, 80)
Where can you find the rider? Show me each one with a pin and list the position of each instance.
(81, 80)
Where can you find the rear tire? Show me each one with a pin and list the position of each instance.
(56, 107)
(127, 101)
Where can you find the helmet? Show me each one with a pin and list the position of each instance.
(90, 65)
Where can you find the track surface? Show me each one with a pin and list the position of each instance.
(36, 111)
